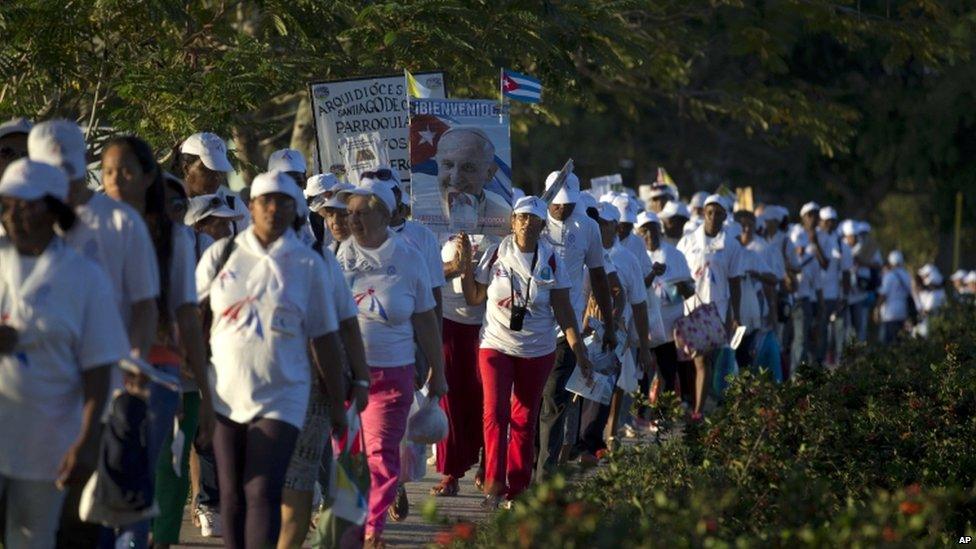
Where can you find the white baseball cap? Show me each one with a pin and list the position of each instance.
(321, 183)
(278, 181)
(958, 275)
(208, 205)
(863, 227)
(28, 179)
(644, 218)
(809, 207)
(698, 199)
(717, 199)
(210, 148)
(608, 212)
(674, 209)
(60, 143)
(896, 258)
(531, 205)
(970, 277)
(570, 192)
(372, 187)
(16, 125)
(848, 228)
(287, 160)
(321, 201)
(828, 212)
(586, 201)
(627, 214)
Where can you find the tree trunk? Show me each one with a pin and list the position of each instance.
(303, 134)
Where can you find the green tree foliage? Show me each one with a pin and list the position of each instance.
(844, 100)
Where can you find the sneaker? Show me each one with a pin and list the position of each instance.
(210, 524)
(628, 431)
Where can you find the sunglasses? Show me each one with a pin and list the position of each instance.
(381, 174)
(10, 153)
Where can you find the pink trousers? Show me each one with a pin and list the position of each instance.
(513, 396)
(384, 424)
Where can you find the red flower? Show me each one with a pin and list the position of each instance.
(888, 534)
(463, 530)
(444, 539)
(910, 507)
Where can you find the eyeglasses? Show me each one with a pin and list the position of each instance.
(10, 153)
(382, 174)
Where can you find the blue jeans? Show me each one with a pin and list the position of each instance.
(163, 404)
(802, 318)
(890, 330)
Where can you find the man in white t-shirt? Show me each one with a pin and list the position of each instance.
(811, 260)
(836, 285)
(626, 237)
(577, 241)
(893, 296)
(204, 165)
(633, 321)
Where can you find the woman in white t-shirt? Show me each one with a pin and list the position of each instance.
(130, 175)
(391, 287)
(527, 292)
(59, 337)
(268, 295)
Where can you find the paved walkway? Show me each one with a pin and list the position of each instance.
(413, 532)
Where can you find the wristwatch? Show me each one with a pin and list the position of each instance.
(364, 383)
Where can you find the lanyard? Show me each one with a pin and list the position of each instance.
(528, 286)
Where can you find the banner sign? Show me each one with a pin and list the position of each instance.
(348, 113)
(460, 159)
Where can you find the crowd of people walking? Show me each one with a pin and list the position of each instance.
(212, 342)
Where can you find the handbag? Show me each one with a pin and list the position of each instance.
(699, 332)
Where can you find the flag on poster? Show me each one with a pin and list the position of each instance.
(460, 163)
(415, 88)
(521, 87)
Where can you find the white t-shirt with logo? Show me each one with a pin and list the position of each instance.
(267, 304)
(456, 309)
(425, 242)
(57, 303)
(839, 261)
(508, 274)
(809, 279)
(389, 285)
(578, 244)
(666, 285)
(713, 261)
(113, 235)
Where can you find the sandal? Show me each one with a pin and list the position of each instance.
(491, 502)
(400, 509)
(479, 480)
(374, 542)
(447, 488)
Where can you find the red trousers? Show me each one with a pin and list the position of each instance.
(513, 397)
(459, 451)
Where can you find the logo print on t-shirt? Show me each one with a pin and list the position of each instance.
(251, 318)
(374, 305)
(391, 270)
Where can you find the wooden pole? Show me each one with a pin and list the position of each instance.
(957, 234)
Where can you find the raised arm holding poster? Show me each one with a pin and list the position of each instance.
(460, 156)
(345, 110)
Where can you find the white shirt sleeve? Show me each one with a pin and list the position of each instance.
(140, 272)
(103, 339)
(677, 268)
(737, 264)
(423, 294)
(886, 283)
(320, 316)
(594, 250)
(636, 291)
(482, 273)
(345, 305)
(435, 266)
(182, 281)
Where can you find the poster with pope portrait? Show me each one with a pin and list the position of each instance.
(460, 164)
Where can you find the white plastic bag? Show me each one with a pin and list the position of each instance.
(413, 465)
(429, 424)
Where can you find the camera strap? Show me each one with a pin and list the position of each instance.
(528, 285)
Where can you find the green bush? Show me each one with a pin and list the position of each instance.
(879, 452)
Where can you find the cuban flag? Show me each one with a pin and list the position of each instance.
(521, 87)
